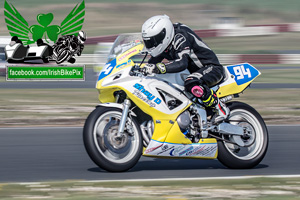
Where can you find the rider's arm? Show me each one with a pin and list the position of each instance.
(154, 60)
(182, 50)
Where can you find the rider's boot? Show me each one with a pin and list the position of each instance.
(220, 109)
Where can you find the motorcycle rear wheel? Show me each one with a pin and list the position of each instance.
(102, 145)
(256, 142)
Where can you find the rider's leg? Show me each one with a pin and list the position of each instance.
(198, 84)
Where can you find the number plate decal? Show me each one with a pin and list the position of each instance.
(107, 69)
(243, 73)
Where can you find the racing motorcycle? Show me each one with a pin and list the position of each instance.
(152, 115)
(65, 51)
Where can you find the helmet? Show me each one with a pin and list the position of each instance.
(81, 37)
(157, 33)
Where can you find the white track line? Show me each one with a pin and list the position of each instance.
(195, 179)
(167, 179)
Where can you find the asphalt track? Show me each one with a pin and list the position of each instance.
(50, 154)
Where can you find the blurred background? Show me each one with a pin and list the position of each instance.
(263, 33)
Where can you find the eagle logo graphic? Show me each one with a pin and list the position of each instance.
(18, 26)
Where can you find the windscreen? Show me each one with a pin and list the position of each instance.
(123, 43)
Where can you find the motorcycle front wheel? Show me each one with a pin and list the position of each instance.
(104, 147)
(63, 56)
(255, 140)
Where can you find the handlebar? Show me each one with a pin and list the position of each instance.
(136, 70)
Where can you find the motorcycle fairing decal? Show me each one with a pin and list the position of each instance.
(243, 73)
(107, 69)
(123, 65)
(206, 148)
(141, 90)
(129, 53)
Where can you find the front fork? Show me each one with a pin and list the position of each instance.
(126, 106)
(202, 119)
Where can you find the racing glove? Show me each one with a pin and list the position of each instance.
(158, 68)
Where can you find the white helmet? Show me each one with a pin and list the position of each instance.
(81, 37)
(157, 32)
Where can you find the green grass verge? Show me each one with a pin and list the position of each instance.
(46, 107)
(33, 107)
(279, 76)
(106, 17)
(274, 44)
(249, 188)
(275, 105)
(2, 78)
(69, 107)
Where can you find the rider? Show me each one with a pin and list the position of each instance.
(185, 50)
(76, 42)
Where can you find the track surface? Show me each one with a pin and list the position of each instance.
(45, 154)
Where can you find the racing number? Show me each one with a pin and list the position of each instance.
(240, 72)
(107, 70)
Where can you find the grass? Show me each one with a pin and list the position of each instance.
(274, 44)
(70, 107)
(2, 78)
(279, 76)
(114, 17)
(258, 188)
(46, 107)
(277, 106)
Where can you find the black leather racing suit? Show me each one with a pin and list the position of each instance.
(188, 51)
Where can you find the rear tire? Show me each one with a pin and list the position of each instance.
(101, 145)
(235, 157)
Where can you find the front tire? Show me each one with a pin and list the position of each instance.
(256, 142)
(99, 136)
(62, 56)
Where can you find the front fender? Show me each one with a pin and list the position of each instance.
(115, 105)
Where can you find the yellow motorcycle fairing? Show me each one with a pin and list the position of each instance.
(163, 121)
(120, 62)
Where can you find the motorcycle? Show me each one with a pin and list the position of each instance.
(63, 51)
(152, 115)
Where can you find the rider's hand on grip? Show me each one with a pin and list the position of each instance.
(149, 69)
(158, 68)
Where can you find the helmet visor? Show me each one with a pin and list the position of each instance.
(82, 38)
(155, 40)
